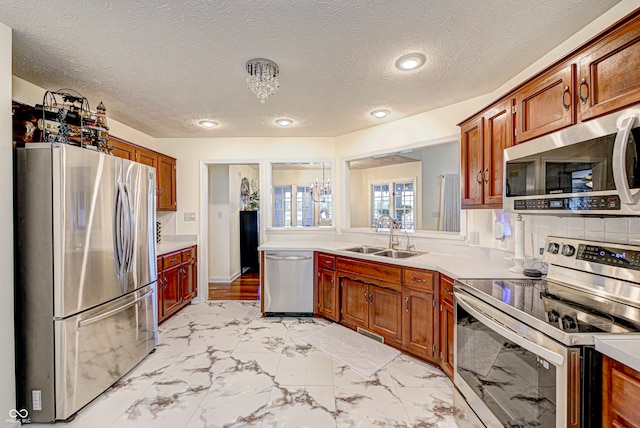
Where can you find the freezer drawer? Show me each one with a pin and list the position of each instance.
(288, 283)
(96, 348)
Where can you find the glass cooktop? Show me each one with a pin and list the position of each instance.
(557, 306)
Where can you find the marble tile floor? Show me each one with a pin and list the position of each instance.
(218, 364)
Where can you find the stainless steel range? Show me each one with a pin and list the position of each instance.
(524, 352)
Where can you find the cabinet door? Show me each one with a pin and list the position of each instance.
(546, 104)
(355, 302)
(418, 323)
(147, 157)
(620, 394)
(447, 322)
(167, 183)
(498, 135)
(122, 149)
(385, 312)
(607, 77)
(471, 151)
(328, 295)
(189, 268)
(171, 296)
(159, 289)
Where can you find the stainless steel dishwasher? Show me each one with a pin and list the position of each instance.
(288, 283)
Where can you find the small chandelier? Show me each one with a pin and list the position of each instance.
(321, 190)
(263, 78)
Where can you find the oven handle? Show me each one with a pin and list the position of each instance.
(619, 162)
(494, 325)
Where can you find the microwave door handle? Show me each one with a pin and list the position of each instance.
(619, 163)
(548, 355)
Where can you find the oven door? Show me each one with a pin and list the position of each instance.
(510, 374)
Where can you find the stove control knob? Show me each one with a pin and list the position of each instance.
(568, 250)
(553, 248)
(568, 323)
(553, 315)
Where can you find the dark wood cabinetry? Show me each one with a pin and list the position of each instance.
(328, 295)
(620, 394)
(483, 141)
(609, 73)
(447, 323)
(167, 198)
(165, 170)
(418, 314)
(597, 78)
(177, 281)
(546, 104)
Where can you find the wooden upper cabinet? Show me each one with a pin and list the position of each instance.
(546, 104)
(166, 183)
(498, 135)
(608, 76)
(147, 157)
(122, 149)
(471, 151)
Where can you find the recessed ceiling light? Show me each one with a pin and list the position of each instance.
(380, 113)
(284, 122)
(208, 124)
(410, 61)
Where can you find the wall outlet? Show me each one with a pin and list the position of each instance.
(189, 216)
(219, 214)
(474, 238)
(541, 251)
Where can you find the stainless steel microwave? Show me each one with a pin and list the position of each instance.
(587, 169)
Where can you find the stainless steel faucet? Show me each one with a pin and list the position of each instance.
(409, 246)
(392, 244)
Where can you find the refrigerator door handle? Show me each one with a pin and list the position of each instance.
(126, 233)
(83, 323)
(118, 220)
(130, 232)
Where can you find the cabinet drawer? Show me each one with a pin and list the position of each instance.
(169, 260)
(419, 279)
(378, 271)
(446, 289)
(326, 261)
(188, 254)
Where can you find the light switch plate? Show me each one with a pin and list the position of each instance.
(189, 216)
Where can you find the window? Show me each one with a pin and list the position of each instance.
(294, 207)
(400, 204)
(282, 206)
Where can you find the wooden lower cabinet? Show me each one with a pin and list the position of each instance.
(328, 295)
(177, 281)
(355, 302)
(417, 323)
(447, 324)
(385, 312)
(620, 394)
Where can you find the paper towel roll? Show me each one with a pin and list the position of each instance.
(519, 238)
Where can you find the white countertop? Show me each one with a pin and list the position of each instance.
(171, 243)
(624, 348)
(450, 265)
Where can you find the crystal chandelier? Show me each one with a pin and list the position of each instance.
(263, 78)
(321, 190)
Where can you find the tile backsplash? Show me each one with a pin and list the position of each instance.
(623, 230)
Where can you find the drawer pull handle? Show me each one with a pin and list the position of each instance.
(583, 82)
(173, 259)
(448, 291)
(565, 92)
(418, 279)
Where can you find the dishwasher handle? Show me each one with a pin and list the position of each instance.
(274, 257)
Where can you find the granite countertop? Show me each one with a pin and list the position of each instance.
(622, 347)
(171, 243)
(447, 264)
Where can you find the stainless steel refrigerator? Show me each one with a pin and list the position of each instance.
(85, 288)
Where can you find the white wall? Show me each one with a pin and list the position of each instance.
(7, 360)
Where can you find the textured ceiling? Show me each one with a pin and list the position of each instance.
(162, 65)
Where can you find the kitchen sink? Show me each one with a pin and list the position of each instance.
(398, 254)
(364, 249)
(384, 252)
